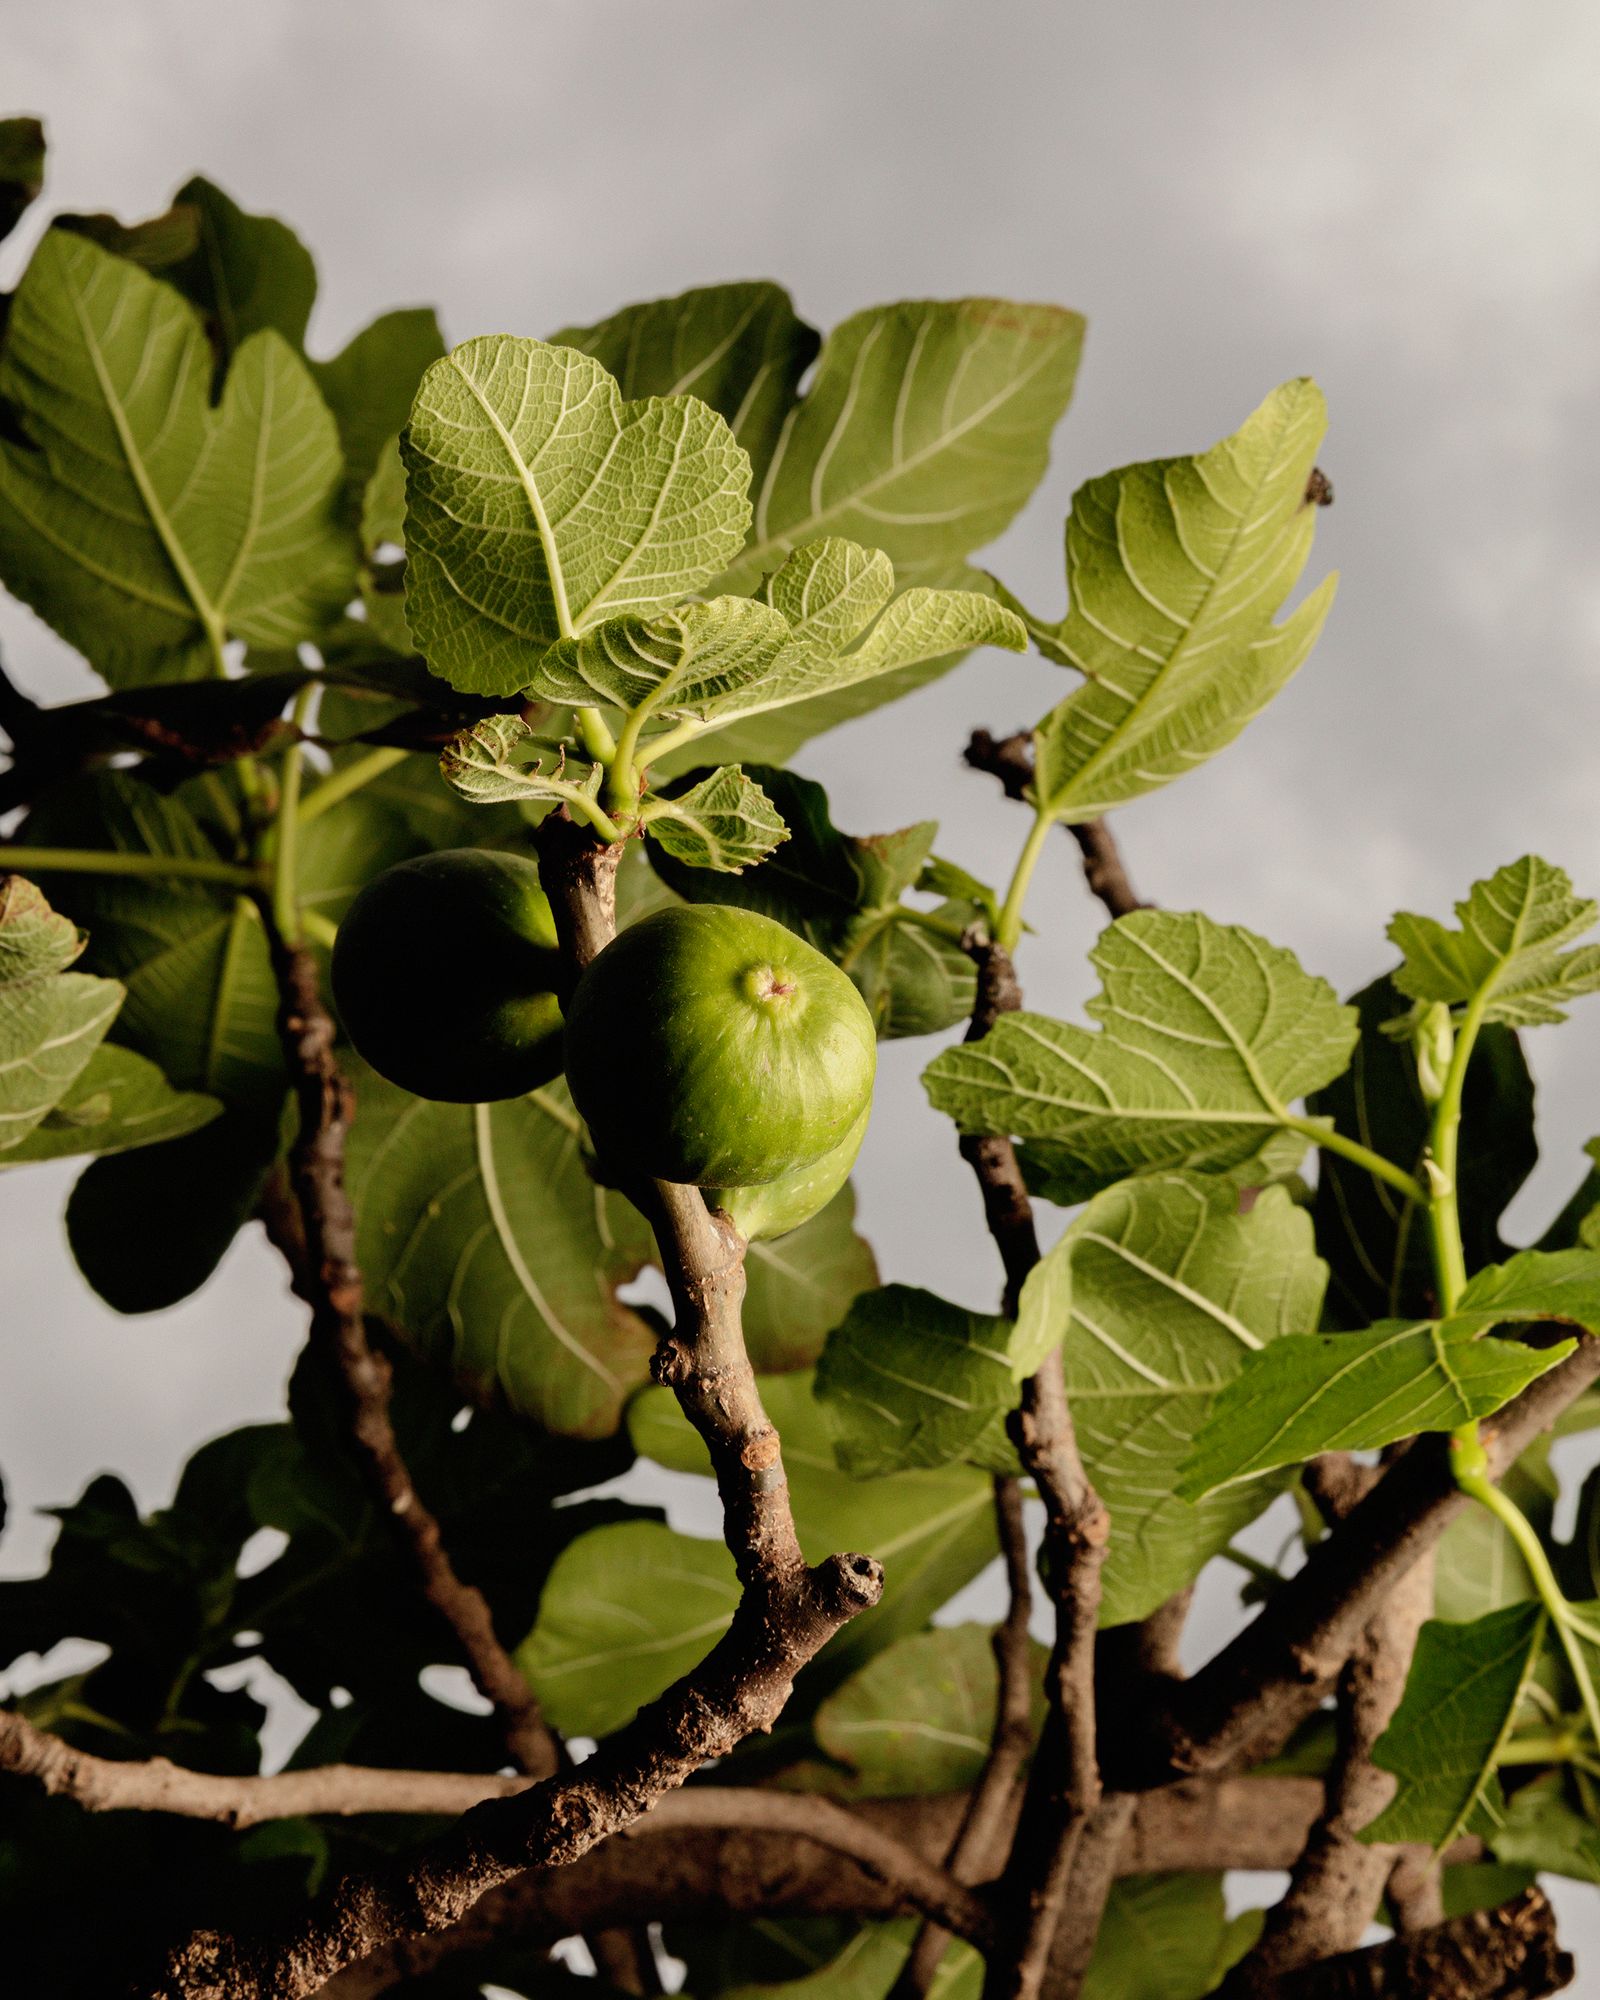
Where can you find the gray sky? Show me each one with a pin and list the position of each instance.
(1399, 200)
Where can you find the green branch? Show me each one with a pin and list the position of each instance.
(339, 784)
(108, 861)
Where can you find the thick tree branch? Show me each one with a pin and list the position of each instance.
(1245, 1702)
(1336, 1884)
(1223, 1823)
(329, 1279)
(1509, 1953)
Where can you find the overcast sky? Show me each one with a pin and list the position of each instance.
(1398, 200)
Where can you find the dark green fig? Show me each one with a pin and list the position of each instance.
(444, 975)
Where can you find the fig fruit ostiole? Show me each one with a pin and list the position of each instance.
(712, 1046)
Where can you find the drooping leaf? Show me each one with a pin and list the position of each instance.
(539, 504)
(1355, 1391)
(626, 1610)
(1176, 570)
(1514, 948)
(487, 1243)
(1208, 1035)
(51, 1020)
(158, 243)
(1461, 1697)
(798, 1288)
(1376, 1242)
(144, 524)
(21, 169)
(925, 428)
(932, 1531)
(247, 272)
(1163, 1293)
(845, 895)
(369, 385)
(148, 1228)
(909, 1380)
(119, 1101)
(739, 348)
(725, 823)
(917, 1719)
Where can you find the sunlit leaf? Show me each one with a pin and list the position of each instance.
(51, 1020)
(1176, 570)
(539, 504)
(739, 348)
(145, 524)
(1513, 951)
(1207, 1036)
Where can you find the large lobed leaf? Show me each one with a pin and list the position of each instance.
(539, 503)
(741, 348)
(142, 522)
(924, 429)
(1175, 572)
(909, 1380)
(1512, 952)
(1208, 1034)
(485, 1240)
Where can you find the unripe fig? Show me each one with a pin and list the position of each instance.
(713, 1046)
(779, 1206)
(444, 975)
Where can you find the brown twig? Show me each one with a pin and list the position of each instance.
(1509, 1953)
(330, 1281)
(1064, 1788)
(1010, 759)
(979, 1846)
(1094, 1869)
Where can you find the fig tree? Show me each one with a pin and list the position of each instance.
(713, 1046)
(444, 973)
